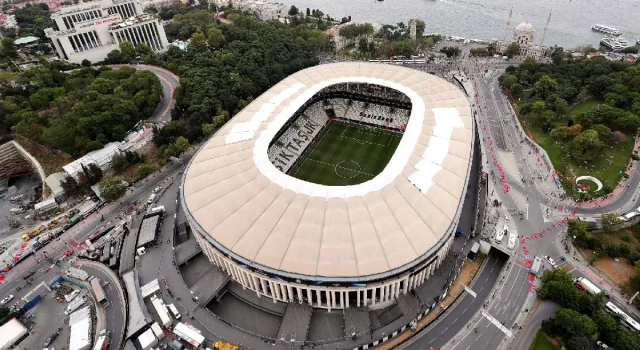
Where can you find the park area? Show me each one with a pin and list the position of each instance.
(609, 166)
(345, 154)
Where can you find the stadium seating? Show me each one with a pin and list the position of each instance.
(291, 144)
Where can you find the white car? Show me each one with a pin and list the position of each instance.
(6, 300)
(550, 260)
(512, 240)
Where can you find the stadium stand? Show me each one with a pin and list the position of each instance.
(288, 148)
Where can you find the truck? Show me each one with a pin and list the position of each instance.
(587, 286)
(162, 312)
(474, 251)
(147, 340)
(536, 265)
(155, 327)
(77, 274)
(188, 333)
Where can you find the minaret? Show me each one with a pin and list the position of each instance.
(544, 33)
(506, 28)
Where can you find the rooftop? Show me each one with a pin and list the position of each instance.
(280, 224)
(26, 40)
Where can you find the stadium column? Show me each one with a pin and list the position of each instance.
(373, 295)
(333, 299)
(345, 299)
(264, 286)
(406, 285)
(384, 294)
(358, 297)
(318, 297)
(299, 293)
(364, 295)
(256, 288)
(398, 288)
(274, 291)
(290, 292)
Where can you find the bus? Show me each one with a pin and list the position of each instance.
(99, 292)
(626, 319)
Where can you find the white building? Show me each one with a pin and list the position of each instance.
(101, 157)
(10, 22)
(524, 36)
(90, 30)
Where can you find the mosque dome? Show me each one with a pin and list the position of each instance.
(525, 27)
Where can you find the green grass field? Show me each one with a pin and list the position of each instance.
(346, 154)
(541, 342)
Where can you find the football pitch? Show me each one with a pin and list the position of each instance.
(346, 154)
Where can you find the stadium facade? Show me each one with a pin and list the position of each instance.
(90, 30)
(333, 247)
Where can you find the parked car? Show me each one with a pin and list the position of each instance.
(51, 338)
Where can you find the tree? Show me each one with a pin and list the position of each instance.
(419, 28)
(128, 51)
(578, 343)
(610, 221)
(114, 57)
(7, 48)
(586, 145)
(86, 63)
(293, 11)
(308, 12)
(70, 186)
(92, 172)
(317, 14)
(112, 187)
(215, 39)
(363, 45)
(181, 145)
(604, 133)
(146, 169)
(513, 50)
(545, 87)
(561, 133)
(575, 324)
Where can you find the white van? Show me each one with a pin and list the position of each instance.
(151, 198)
(630, 216)
(174, 311)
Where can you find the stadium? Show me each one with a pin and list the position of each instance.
(339, 187)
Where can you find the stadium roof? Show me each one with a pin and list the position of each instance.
(264, 218)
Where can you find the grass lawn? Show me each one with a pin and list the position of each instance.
(344, 154)
(542, 342)
(582, 107)
(606, 167)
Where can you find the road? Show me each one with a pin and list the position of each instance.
(544, 311)
(116, 311)
(447, 327)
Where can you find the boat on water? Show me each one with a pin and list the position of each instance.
(605, 29)
(614, 43)
(638, 42)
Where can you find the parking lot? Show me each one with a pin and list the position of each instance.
(43, 320)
